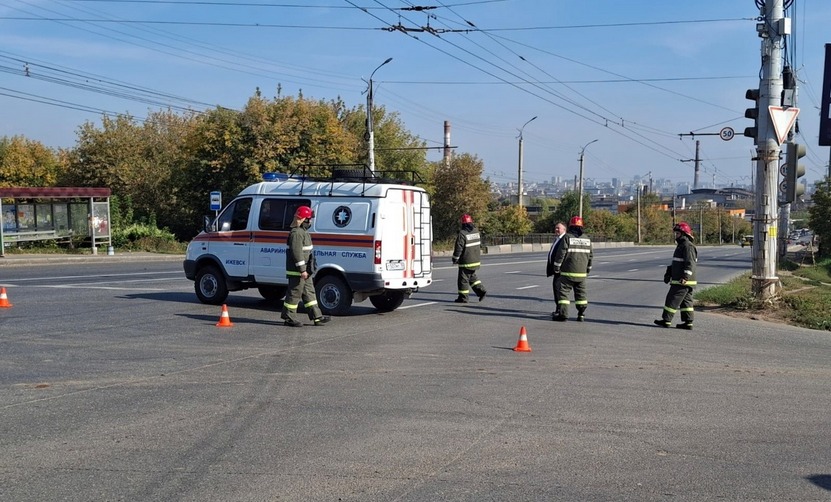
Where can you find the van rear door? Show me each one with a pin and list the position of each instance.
(404, 229)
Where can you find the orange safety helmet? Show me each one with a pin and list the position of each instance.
(576, 221)
(304, 212)
(466, 218)
(683, 227)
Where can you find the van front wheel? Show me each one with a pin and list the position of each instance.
(387, 301)
(333, 295)
(210, 286)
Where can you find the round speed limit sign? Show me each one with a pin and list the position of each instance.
(727, 133)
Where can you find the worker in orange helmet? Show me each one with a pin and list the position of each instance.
(299, 272)
(467, 254)
(681, 279)
(571, 264)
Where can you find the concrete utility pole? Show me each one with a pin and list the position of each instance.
(772, 29)
(447, 143)
(519, 167)
(580, 189)
(370, 132)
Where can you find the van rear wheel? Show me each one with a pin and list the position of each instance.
(333, 295)
(210, 286)
(387, 301)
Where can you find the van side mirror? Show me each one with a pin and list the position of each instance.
(206, 223)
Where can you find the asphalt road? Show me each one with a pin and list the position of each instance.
(115, 384)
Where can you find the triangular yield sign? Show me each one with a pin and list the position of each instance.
(783, 120)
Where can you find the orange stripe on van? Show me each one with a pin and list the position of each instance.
(238, 236)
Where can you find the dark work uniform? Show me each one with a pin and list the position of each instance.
(299, 259)
(680, 295)
(572, 263)
(549, 267)
(467, 254)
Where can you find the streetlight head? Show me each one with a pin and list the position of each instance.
(387, 61)
(586, 145)
(523, 126)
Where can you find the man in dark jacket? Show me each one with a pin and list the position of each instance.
(571, 265)
(467, 254)
(299, 271)
(681, 279)
(559, 231)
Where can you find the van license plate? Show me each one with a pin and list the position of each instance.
(395, 265)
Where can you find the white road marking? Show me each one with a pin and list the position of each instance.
(528, 287)
(417, 305)
(51, 278)
(75, 286)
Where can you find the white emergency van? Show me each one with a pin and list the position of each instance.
(372, 239)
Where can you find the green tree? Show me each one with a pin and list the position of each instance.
(507, 220)
(458, 189)
(27, 163)
(290, 134)
(218, 159)
(605, 226)
(570, 206)
(137, 161)
(655, 220)
(820, 216)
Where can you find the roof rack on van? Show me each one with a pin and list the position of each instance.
(355, 173)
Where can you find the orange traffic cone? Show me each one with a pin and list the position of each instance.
(4, 300)
(522, 344)
(224, 319)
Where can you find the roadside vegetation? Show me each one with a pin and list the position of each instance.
(804, 300)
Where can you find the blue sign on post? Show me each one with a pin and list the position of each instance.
(216, 201)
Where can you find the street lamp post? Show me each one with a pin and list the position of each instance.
(580, 189)
(519, 167)
(370, 133)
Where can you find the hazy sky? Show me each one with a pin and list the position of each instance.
(631, 74)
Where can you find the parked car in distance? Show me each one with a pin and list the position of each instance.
(747, 240)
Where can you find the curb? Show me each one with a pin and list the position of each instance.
(26, 260)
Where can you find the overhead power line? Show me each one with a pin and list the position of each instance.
(280, 5)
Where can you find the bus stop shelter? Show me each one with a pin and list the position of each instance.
(55, 213)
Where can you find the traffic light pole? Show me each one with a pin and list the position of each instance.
(765, 282)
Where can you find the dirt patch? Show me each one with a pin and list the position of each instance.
(776, 316)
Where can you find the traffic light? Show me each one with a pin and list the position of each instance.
(752, 113)
(792, 188)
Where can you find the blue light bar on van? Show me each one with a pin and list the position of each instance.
(274, 177)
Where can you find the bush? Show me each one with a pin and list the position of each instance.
(144, 237)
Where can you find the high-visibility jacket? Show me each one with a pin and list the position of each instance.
(684, 260)
(299, 251)
(573, 256)
(468, 250)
